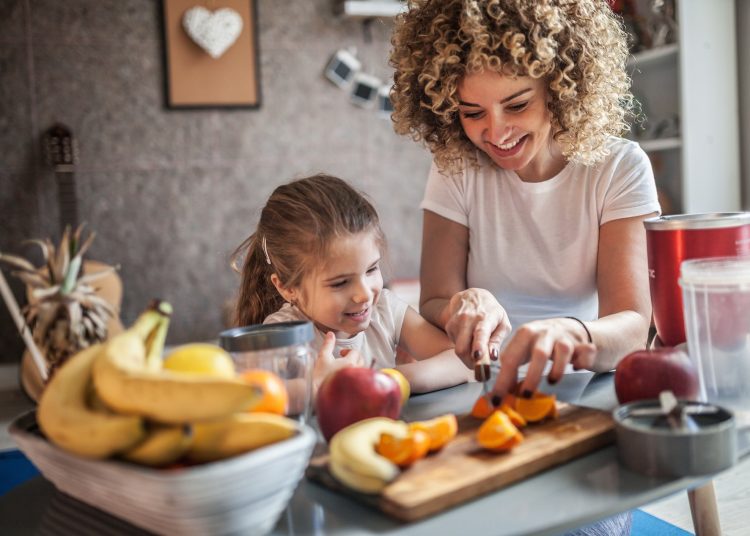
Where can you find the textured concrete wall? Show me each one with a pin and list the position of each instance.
(171, 193)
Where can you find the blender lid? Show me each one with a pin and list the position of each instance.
(703, 220)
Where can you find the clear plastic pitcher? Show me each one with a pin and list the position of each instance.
(716, 299)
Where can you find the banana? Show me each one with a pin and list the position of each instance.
(353, 459)
(130, 382)
(238, 433)
(163, 445)
(67, 420)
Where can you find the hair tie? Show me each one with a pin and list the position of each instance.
(265, 250)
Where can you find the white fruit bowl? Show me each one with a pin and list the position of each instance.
(244, 494)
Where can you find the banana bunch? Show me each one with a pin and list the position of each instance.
(354, 460)
(114, 399)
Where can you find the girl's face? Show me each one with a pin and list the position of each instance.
(507, 118)
(342, 293)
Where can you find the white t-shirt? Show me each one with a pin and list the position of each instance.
(378, 341)
(534, 245)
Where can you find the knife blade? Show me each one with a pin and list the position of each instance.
(482, 374)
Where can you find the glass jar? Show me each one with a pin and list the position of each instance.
(282, 348)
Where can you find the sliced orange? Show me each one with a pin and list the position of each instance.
(536, 408)
(483, 408)
(515, 417)
(498, 433)
(440, 430)
(404, 451)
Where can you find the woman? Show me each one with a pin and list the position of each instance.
(533, 208)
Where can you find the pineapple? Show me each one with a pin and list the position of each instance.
(64, 312)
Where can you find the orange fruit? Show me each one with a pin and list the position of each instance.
(536, 408)
(404, 451)
(515, 417)
(498, 433)
(440, 430)
(483, 408)
(275, 398)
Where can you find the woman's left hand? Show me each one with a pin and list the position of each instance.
(562, 340)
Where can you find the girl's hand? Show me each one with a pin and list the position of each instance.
(561, 340)
(326, 363)
(477, 325)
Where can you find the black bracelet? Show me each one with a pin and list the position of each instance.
(584, 327)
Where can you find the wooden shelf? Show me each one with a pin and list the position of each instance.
(660, 144)
(654, 55)
(369, 8)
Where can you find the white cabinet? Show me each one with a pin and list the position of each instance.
(689, 93)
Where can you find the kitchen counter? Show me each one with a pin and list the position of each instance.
(571, 495)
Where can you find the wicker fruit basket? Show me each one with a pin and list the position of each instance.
(245, 494)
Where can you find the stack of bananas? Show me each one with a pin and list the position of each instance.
(114, 399)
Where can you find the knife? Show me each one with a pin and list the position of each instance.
(482, 374)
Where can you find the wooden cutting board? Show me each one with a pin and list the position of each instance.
(462, 470)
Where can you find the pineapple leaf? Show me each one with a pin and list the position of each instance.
(33, 279)
(62, 258)
(86, 244)
(86, 279)
(74, 267)
(17, 262)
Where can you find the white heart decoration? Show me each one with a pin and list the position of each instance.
(213, 32)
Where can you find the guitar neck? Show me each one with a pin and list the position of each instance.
(67, 199)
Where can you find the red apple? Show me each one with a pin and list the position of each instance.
(644, 374)
(352, 394)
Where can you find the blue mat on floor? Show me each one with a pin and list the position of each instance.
(15, 468)
(647, 525)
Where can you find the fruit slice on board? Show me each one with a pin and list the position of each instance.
(538, 407)
(440, 429)
(498, 433)
(483, 408)
(404, 451)
(515, 417)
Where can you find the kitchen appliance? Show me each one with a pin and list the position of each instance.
(716, 297)
(675, 238)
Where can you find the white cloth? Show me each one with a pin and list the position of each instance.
(534, 245)
(378, 342)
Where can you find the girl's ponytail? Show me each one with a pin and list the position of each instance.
(257, 298)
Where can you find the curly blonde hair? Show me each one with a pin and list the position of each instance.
(578, 47)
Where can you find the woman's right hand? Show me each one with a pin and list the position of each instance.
(477, 325)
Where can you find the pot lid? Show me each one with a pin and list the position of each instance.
(703, 220)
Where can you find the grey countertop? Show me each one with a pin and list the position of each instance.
(571, 495)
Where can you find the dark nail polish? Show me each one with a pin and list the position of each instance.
(493, 354)
(496, 400)
(477, 354)
(527, 394)
(551, 381)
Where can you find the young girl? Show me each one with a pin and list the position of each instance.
(316, 255)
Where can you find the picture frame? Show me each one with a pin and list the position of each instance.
(198, 74)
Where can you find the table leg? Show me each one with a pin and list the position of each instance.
(704, 510)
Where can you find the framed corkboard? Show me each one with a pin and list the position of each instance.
(195, 79)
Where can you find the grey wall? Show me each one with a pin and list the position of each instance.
(171, 193)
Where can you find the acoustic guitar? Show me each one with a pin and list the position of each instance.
(61, 151)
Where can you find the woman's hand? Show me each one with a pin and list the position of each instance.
(326, 363)
(562, 340)
(477, 325)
